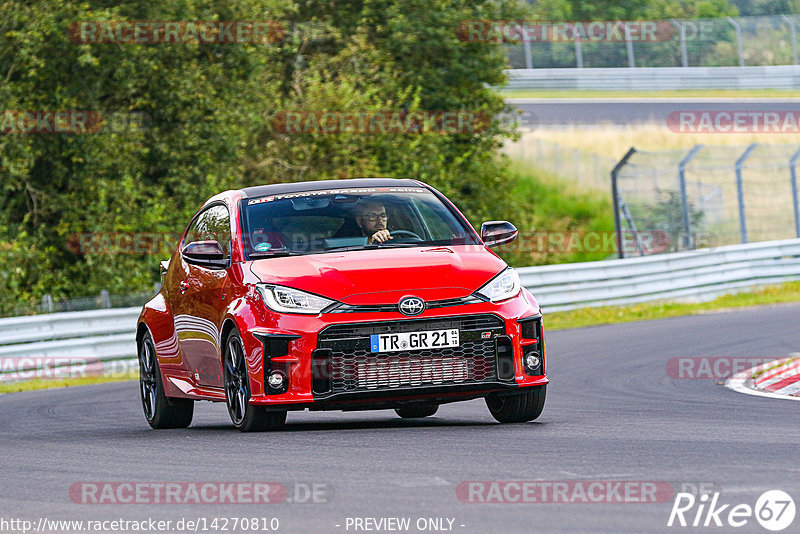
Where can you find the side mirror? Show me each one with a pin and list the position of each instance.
(205, 254)
(496, 233)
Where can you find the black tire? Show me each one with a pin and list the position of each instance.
(245, 416)
(518, 408)
(415, 412)
(159, 410)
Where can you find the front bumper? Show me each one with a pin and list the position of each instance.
(328, 363)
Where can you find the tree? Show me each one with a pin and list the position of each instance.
(211, 111)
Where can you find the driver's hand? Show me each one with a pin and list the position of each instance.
(381, 236)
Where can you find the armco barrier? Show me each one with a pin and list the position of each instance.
(104, 335)
(693, 275)
(108, 335)
(653, 78)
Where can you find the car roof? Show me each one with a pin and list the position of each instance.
(296, 187)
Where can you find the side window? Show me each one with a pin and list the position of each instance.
(212, 224)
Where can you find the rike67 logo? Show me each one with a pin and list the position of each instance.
(774, 510)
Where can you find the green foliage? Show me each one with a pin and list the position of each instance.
(667, 216)
(57, 185)
(634, 10)
(560, 224)
(209, 125)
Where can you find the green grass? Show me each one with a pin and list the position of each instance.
(39, 383)
(677, 93)
(555, 211)
(789, 292)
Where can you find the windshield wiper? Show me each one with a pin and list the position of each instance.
(276, 253)
(351, 247)
(398, 245)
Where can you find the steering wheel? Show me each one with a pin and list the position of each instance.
(405, 233)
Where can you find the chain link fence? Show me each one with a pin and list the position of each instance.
(708, 196)
(718, 42)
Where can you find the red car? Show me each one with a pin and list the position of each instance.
(338, 295)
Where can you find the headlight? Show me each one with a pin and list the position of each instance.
(288, 300)
(503, 286)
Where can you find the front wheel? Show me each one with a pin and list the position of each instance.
(245, 416)
(518, 408)
(159, 410)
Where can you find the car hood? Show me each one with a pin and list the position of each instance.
(383, 276)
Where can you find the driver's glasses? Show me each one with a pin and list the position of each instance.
(372, 217)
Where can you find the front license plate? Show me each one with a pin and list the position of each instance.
(429, 339)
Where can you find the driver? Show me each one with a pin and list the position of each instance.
(371, 217)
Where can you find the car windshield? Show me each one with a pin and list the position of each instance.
(349, 219)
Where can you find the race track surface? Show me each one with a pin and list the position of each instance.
(612, 414)
(567, 111)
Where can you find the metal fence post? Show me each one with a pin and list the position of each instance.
(629, 46)
(740, 191)
(105, 299)
(578, 49)
(47, 303)
(794, 36)
(526, 46)
(682, 33)
(615, 199)
(738, 40)
(687, 218)
(793, 174)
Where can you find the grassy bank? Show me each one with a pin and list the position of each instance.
(558, 210)
(610, 140)
(789, 292)
(39, 383)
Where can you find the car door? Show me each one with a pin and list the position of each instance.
(197, 307)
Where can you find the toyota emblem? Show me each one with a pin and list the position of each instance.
(411, 306)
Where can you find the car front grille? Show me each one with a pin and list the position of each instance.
(343, 361)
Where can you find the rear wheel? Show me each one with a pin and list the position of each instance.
(159, 410)
(517, 408)
(245, 416)
(414, 412)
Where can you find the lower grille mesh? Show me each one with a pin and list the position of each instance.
(354, 368)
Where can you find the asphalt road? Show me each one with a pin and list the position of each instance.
(565, 111)
(612, 414)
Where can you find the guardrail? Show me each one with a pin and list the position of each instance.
(692, 275)
(68, 339)
(655, 78)
(109, 335)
